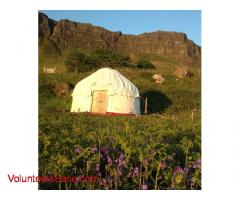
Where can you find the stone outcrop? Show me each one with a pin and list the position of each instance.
(61, 89)
(157, 78)
(171, 45)
(182, 72)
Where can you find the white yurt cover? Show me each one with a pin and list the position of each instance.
(106, 79)
(123, 95)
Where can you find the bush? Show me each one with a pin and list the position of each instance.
(79, 62)
(145, 64)
(89, 63)
(112, 59)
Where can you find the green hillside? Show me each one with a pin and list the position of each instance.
(161, 150)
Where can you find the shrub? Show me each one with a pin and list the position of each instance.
(112, 59)
(89, 63)
(145, 64)
(79, 62)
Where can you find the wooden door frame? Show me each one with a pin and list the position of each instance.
(92, 92)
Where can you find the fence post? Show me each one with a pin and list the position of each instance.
(145, 106)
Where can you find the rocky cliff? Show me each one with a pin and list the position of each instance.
(171, 45)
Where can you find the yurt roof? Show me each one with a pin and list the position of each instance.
(106, 79)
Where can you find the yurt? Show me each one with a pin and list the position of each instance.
(106, 91)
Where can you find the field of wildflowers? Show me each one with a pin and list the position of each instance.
(144, 152)
(159, 151)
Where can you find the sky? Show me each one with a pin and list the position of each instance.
(137, 21)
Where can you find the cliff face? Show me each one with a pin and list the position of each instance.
(45, 25)
(172, 45)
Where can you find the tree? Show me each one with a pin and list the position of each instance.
(79, 62)
(74, 61)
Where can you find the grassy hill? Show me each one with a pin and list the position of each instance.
(161, 150)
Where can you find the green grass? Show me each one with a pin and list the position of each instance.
(170, 134)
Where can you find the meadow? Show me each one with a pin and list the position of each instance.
(160, 150)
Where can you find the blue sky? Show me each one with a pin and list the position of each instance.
(137, 22)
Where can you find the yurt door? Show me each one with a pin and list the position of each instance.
(99, 101)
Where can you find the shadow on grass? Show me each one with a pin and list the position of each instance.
(157, 102)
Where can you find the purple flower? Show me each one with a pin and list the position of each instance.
(130, 173)
(186, 170)
(122, 156)
(103, 182)
(136, 171)
(144, 187)
(145, 162)
(78, 150)
(121, 161)
(97, 168)
(178, 170)
(105, 151)
(120, 172)
(163, 165)
(197, 164)
(109, 160)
